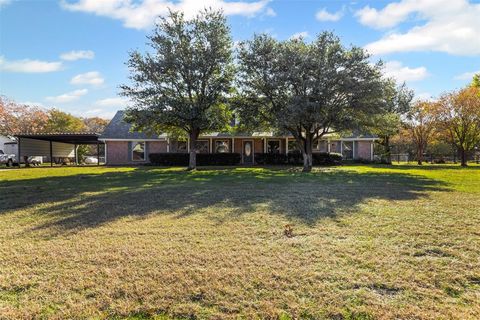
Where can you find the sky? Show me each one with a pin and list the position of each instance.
(71, 54)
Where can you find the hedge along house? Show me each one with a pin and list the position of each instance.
(124, 146)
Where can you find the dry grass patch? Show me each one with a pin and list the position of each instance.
(357, 242)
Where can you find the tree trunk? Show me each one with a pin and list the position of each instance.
(388, 155)
(192, 163)
(464, 157)
(307, 154)
(420, 156)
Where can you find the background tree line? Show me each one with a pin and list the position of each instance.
(16, 118)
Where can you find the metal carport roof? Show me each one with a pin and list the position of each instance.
(72, 138)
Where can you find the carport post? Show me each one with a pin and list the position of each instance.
(19, 149)
(98, 154)
(76, 155)
(51, 154)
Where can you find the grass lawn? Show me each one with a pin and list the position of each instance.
(369, 242)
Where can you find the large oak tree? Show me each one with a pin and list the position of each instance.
(183, 84)
(306, 89)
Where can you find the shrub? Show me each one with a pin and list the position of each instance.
(203, 159)
(271, 158)
(296, 158)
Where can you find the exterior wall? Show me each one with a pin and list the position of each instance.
(363, 150)
(258, 145)
(3, 140)
(238, 145)
(157, 146)
(117, 152)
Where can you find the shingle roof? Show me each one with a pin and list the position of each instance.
(119, 129)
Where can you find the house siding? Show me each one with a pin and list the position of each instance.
(118, 152)
(363, 150)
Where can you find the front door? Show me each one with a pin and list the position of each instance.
(247, 152)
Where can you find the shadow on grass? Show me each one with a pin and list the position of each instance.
(89, 200)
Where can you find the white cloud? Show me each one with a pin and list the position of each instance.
(141, 15)
(68, 97)
(118, 102)
(324, 15)
(466, 75)
(4, 3)
(401, 73)
(29, 66)
(77, 55)
(93, 78)
(441, 25)
(298, 35)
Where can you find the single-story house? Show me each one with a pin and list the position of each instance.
(124, 146)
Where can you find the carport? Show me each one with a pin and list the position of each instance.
(54, 145)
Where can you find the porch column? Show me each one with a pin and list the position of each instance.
(233, 145)
(188, 144)
(353, 150)
(51, 154)
(168, 145)
(341, 147)
(286, 145)
(328, 146)
(371, 150)
(98, 153)
(211, 145)
(264, 145)
(105, 152)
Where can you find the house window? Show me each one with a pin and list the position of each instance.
(182, 146)
(138, 151)
(292, 146)
(222, 146)
(273, 146)
(201, 146)
(320, 145)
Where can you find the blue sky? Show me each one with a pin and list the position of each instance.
(71, 54)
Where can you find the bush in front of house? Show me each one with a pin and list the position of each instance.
(271, 158)
(296, 158)
(327, 159)
(203, 159)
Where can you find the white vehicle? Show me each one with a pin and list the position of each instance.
(90, 160)
(8, 159)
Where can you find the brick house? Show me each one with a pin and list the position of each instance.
(123, 146)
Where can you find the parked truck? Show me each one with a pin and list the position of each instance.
(9, 153)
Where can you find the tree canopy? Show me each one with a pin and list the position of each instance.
(306, 89)
(18, 118)
(183, 84)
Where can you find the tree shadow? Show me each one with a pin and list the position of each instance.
(81, 201)
(428, 167)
